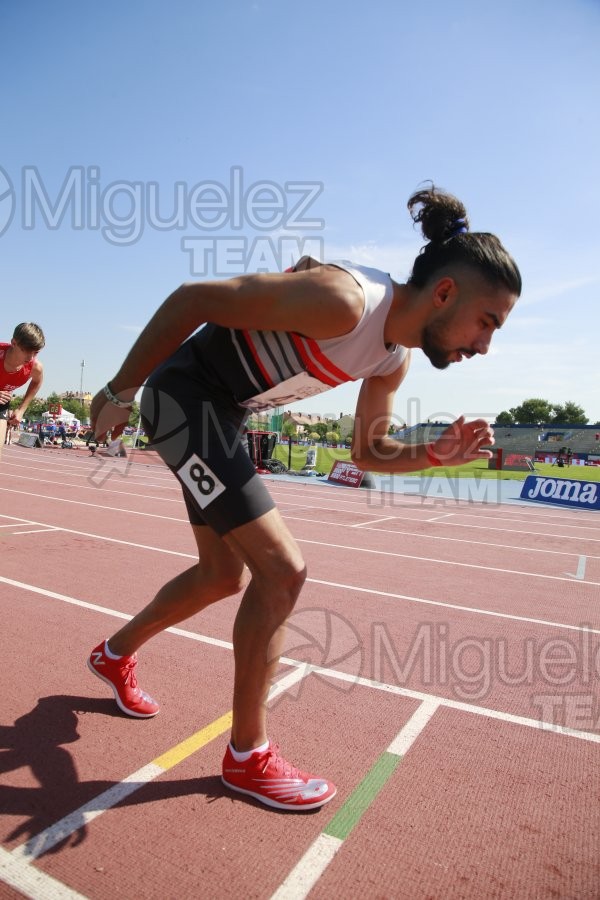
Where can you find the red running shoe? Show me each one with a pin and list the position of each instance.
(274, 781)
(120, 675)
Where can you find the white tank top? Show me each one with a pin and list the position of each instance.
(281, 367)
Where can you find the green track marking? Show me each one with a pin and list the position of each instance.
(363, 795)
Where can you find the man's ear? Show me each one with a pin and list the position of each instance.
(444, 292)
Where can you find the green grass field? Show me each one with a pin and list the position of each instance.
(326, 457)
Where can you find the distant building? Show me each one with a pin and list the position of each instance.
(302, 422)
(305, 422)
(85, 398)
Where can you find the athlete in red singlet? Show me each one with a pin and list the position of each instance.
(19, 365)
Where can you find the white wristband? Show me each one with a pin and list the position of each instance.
(122, 404)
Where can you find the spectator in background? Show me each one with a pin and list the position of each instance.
(10, 430)
(19, 365)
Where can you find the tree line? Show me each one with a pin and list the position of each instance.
(536, 411)
(39, 405)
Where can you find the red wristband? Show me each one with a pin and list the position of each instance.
(433, 459)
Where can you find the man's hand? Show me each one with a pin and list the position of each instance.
(105, 416)
(462, 441)
(5, 397)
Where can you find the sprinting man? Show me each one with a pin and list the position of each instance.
(267, 340)
(19, 365)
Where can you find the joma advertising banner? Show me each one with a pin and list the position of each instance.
(562, 491)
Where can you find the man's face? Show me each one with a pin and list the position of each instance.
(22, 355)
(466, 326)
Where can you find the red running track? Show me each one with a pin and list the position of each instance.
(442, 667)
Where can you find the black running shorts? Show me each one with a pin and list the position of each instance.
(198, 430)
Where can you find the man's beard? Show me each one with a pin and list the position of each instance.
(433, 348)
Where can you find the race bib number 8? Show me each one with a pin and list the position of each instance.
(201, 481)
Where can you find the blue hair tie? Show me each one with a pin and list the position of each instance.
(460, 227)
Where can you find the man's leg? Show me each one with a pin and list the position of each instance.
(217, 574)
(278, 573)
(252, 764)
(3, 432)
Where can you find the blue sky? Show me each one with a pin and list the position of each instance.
(329, 114)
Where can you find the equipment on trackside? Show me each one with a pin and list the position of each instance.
(260, 446)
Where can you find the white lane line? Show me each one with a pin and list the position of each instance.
(309, 868)
(413, 534)
(321, 544)
(373, 522)
(20, 523)
(111, 540)
(130, 512)
(31, 882)
(168, 482)
(515, 533)
(347, 587)
(41, 843)
(457, 513)
(163, 477)
(459, 706)
(321, 852)
(471, 609)
(396, 508)
(79, 818)
(309, 668)
(104, 610)
(393, 531)
(413, 728)
(470, 543)
(106, 490)
(116, 614)
(34, 531)
(528, 520)
(446, 562)
(416, 501)
(44, 841)
(580, 573)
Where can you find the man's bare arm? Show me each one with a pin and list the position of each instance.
(372, 449)
(320, 303)
(37, 377)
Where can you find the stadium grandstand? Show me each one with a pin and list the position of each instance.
(541, 443)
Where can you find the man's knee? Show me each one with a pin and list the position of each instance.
(273, 557)
(220, 583)
(282, 578)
